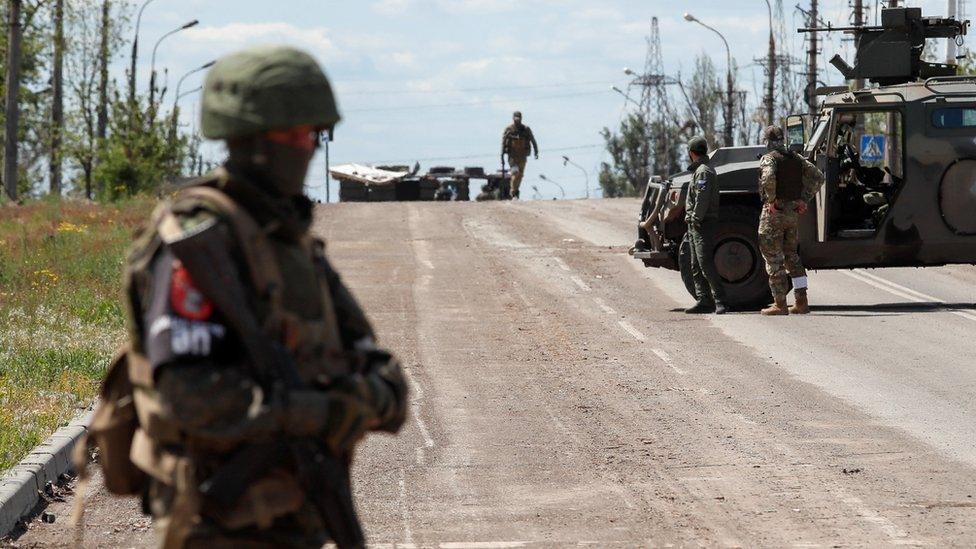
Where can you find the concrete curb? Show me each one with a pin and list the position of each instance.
(20, 486)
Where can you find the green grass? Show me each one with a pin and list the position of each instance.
(61, 312)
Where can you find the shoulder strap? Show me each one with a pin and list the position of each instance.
(261, 262)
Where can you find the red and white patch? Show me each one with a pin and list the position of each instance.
(186, 299)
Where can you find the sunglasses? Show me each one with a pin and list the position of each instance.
(305, 138)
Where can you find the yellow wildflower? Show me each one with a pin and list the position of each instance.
(66, 227)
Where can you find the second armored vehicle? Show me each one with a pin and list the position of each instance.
(899, 160)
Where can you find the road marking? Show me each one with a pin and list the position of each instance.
(886, 526)
(666, 359)
(632, 331)
(402, 485)
(603, 305)
(418, 394)
(482, 544)
(579, 282)
(902, 291)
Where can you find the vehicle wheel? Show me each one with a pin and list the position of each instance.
(737, 259)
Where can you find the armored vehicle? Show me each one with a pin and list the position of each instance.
(899, 160)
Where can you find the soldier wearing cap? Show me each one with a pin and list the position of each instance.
(787, 182)
(701, 215)
(517, 143)
(254, 371)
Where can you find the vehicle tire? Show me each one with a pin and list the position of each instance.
(737, 258)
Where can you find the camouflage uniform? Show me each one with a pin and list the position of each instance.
(517, 143)
(205, 412)
(702, 209)
(778, 228)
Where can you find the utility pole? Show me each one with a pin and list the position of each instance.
(812, 60)
(12, 97)
(859, 22)
(57, 99)
(952, 11)
(771, 72)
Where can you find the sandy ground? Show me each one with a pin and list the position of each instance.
(560, 396)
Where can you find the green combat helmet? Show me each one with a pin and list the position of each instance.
(266, 88)
(698, 145)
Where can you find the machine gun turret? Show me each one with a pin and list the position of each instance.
(892, 52)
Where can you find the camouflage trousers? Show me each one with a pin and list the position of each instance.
(708, 283)
(778, 244)
(518, 172)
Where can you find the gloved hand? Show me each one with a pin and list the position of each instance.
(351, 415)
(340, 414)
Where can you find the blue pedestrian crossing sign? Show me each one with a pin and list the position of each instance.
(872, 147)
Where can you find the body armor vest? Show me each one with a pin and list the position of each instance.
(518, 142)
(284, 275)
(789, 175)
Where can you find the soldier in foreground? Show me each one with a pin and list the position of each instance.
(701, 214)
(787, 182)
(517, 143)
(255, 371)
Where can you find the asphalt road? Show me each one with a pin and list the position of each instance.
(560, 396)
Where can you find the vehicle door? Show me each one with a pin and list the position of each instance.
(863, 163)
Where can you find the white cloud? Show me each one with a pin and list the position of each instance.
(216, 40)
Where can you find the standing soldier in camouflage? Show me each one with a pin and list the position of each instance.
(517, 143)
(787, 182)
(255, 372)
(701, 214)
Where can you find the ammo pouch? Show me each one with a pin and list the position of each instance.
(111, 431)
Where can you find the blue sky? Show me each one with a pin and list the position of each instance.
(438, 79)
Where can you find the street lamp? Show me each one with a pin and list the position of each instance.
(562, 191)
(174, 117)
(627, 97)
(152, 64)
(729, 112)
(135, 55)
(179, 84)
(566, 160)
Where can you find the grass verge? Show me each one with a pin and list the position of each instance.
(61, 312)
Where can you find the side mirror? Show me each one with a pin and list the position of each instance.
(796, 132)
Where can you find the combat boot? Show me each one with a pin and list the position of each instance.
(802, 306)
(702, 307)
(778, 308)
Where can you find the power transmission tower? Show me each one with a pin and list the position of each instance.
(654, 108)
(657, 102)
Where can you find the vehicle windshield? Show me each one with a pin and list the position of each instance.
(818, 134)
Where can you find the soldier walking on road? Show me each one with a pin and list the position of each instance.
(701, 214)
(517, 143)
(787, 182)
(255, 371)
